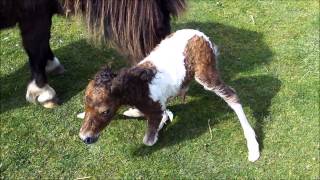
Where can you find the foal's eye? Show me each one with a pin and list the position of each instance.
(106, 113)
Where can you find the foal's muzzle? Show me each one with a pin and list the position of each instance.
(90, 140)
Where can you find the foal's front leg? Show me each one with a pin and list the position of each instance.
(155, 123)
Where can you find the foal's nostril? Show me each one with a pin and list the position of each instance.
(90, 140)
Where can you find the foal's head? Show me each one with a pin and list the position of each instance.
(107, 92)
(100, 106)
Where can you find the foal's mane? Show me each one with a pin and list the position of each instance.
(132, 84)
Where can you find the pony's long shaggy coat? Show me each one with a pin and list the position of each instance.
(135, 27)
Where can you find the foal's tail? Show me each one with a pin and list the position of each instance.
(135, 27)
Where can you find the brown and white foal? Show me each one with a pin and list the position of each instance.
(185, 55)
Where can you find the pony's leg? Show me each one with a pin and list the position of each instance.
(35, 36)
(53, 65)
(210, 80)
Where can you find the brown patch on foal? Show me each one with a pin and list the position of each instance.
(134, 85)
(201, 63)
(99, 106)
(147, 65)
(107, 92)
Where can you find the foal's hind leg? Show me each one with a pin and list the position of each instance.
(210, 80)
(35, 35)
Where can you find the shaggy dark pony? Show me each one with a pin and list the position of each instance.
(134, 27)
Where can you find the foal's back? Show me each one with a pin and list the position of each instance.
(169, 59)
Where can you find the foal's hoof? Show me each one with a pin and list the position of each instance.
(150, 140)
(254, 156)
(254, 152)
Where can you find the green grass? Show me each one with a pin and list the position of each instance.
(269, 54)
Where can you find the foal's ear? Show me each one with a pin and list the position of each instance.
(104, 76)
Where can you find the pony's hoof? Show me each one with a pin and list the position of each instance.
(50, 104)
(54, 67)
(46, 96)
(58, 70)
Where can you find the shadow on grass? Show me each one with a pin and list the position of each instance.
(240, 52)
(191, 119)
(81, 61)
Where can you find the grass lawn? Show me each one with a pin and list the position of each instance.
(269, 54)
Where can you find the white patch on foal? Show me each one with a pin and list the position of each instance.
(168, 58)
(252, 144)
(81, 115)
(170, 114)
(41, 95)
(167, 115)
(133, 112)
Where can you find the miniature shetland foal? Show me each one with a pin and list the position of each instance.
(166, 72)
